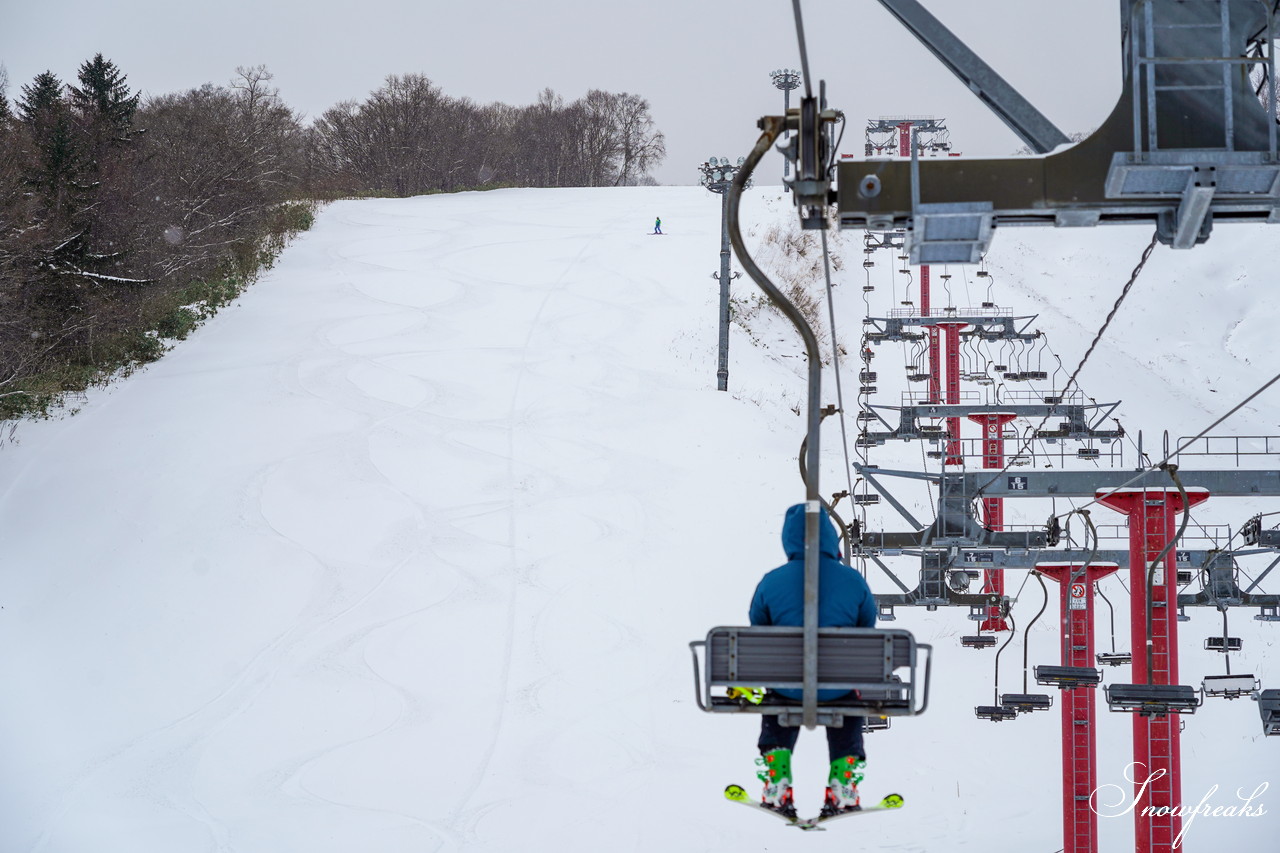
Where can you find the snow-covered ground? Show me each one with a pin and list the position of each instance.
(402, 551)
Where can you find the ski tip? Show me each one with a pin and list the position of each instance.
(736, 793)
(892, 801)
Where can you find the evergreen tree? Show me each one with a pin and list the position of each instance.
(102, 100)
(40, 97)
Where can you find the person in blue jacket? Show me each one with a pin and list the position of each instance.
(844, 601)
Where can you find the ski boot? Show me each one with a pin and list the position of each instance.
(842, 786)
(775, 773)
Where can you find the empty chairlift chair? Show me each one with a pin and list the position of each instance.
(881, 664)
(1230, 686)
(1269, 708)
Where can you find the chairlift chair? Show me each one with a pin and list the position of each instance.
(1025, 703)
(995, 713)
(879, 666)
(1223, 644)
(1269, 708)
(1230, 686)
(978, 641)
(1153, 700)
(1114, 658)
(1068, 677)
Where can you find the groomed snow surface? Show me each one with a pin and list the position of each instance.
(403, 551)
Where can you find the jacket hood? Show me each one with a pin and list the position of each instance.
(793, 534)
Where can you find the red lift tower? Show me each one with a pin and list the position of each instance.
(1153, 516)
(1079, 729)
(993, 508)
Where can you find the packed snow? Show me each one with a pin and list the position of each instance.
(403, 551)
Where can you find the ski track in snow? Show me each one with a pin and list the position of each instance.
(444, 497)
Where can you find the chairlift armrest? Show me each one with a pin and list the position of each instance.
(928, 669)
(697, 676)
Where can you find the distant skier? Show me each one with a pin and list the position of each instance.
(657, 225)
(844, 601)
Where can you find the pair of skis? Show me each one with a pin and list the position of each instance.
(736, 794)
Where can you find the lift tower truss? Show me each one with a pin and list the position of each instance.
(1188, 144)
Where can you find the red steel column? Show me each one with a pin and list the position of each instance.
(1153, 519)
(954, 455)
(935, 345)
(1079, 732)
(993, 509)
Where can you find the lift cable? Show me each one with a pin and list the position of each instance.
(1142, 262)
(1164, 463)
(835, 365)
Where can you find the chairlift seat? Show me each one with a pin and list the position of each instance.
(881, 666)
(995, 713)
(978, 641)
(1088, 453)
(1150, 700)
(1068, 677)
(1114, 658)
(1217, 644)
(1269, 708)
(866, 500)
(1024, 703)
(1230, 686)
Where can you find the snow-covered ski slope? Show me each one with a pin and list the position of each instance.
(402, 551)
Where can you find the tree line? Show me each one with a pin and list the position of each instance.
(124, 220)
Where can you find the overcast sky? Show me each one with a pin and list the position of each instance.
(704, 67)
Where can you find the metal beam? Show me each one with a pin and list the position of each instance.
(1031, 125)
(1086, 484)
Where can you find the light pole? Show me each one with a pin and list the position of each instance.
(785, 79)
(717, 176)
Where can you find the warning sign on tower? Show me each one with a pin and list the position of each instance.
(1077, 597)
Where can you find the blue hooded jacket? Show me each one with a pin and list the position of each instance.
(844, 599)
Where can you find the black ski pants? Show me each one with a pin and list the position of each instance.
(842, 741)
